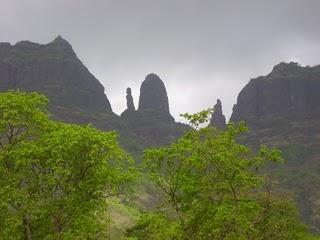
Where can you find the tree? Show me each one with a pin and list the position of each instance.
(22, 116)
(55, 177)
(213, 189)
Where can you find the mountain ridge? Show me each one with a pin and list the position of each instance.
(76, 96)
(281, 109)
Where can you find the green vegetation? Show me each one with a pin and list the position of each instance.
(55, 178)
(63, 181)
(213, 190)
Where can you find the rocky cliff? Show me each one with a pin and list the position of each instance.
(288, 91)
(218, 120)
(282, 110)
(152, 121)
(130, 105)
(54, 70)
(153, 100)
(282, 107)
(75, 95)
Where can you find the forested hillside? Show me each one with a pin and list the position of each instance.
(71, 168)
(60, 181)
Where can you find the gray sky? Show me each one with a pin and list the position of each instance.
(202, 49)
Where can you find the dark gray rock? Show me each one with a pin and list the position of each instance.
(130, 104)
(153, 100)
(130, 111)
(282, 110)
(152, 122)
(54, 70)
(288, 91)
(218, 120)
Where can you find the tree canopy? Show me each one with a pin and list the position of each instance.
(213, 190)
(55, 177)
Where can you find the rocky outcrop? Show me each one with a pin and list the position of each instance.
(288, 91)
(54, 70)
(282, 110)
(218, 120)
(131, 110)
(76, 96)
(130, 104)
(153, 100)
(152, 121)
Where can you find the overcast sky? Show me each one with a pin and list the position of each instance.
(201, 49)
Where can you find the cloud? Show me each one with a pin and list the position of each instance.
(202, 49)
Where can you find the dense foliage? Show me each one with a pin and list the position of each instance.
(54, 177)
(213, 190)
(62, 181)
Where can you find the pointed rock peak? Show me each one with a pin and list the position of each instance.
(60, 42)
(218, 120)
(59, 39)
(218, 106)
(62, 46)
(153, 96)
(130, 103)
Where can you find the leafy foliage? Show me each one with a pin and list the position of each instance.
(199, 118)
(57, 181)
(54, 177)
(213, 190)
(22, 115)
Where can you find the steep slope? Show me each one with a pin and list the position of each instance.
(54, 70)
(153, 100)
(76, 96)
(153, 121)
(288, 91)
(282, 109)
(218, 120)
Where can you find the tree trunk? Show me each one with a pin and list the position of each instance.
(26, 223)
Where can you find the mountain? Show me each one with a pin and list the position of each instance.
(152, 121)
(282, 110)
(283, 107)
(288, 91)
(76, 96)
(218, 120)
(52, 69)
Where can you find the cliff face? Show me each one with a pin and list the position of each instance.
(282, 110)
(218, 120)
(75, 95)
(283, 107)
(153, 100)
(54, 70)
(288, 91)
(152, 121)
(130, 105)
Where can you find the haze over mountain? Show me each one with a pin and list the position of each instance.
(76, 96)
(281, 110)
(211, 47)
(132, 67)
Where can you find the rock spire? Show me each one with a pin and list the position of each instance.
(218, 120)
